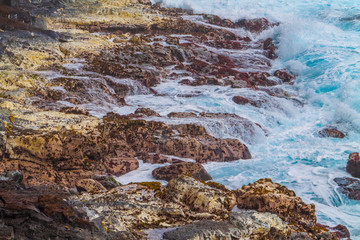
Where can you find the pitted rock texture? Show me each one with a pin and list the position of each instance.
(66, 155)
(200, 197)
(167, 173)
(266, 196)
(353, 165)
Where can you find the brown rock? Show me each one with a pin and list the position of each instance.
(353, 165)
(146, 112)
(200, 197)
(90, 186)
(107, 181)
(169, 172)
(331, 132)
(120, 165)
(242, 101)
(255, 25)
(74, 110)
(284, 75)
(270, 48)
(266, 196)
(181, 115)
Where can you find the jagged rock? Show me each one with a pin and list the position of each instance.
(242, 101)
(350, 187)
(181, 115)
(109, 147)
(74, 110)
(146, 112)
(90, 186)
(39, 213)
(266, 196)
(107, 181)
(331, 132)
(169, 172)
(255, 25)
(284, 75)
(245, 224)
(270, 48)
(199, 196)
(15, 176)
(353, 165)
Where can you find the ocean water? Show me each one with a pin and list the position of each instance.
(320, 42)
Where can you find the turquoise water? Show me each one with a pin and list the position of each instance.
(320, 42)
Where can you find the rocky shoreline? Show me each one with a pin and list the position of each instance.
(60, 60)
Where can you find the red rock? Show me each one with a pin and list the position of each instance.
(284, 75)
(353, 165)
(255, 25)
(196, 170)
(270, 47)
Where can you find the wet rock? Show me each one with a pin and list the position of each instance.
(331, 132)
(107, 181)
(15, 176)
(349, 187)
(284, 75)
(255, 25)
(341, 231)
(90, 186)
(353, 165)
(245, 224)
(146, 112)
(242, 101)
(186, 168)
(199, 196)
(181, 115)
(109, 146)
(270, 48)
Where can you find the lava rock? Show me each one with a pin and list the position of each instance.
(353, 165)
(185, 168)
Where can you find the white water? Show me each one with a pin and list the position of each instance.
(319, 42)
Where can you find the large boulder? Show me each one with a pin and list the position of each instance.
(199, 196)
(266, 196)
(185, 168)
(353, 165)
